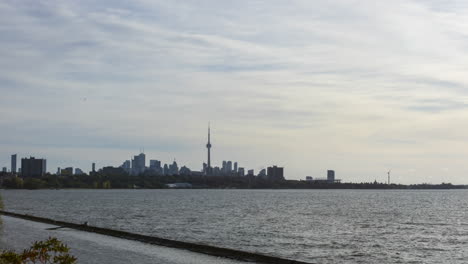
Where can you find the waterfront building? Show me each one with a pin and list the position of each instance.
(166, 170)
(13, 163)
(58, 171)
(275, 173)
(78, 171)
(229, 167)
(309, 178)
(179, 185)
(241, 171)
(330, 176)
(250, 173)
(235, 167)
(4, 169)
(33, 167)
(93, 167)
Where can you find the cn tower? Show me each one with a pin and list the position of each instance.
(208, 146)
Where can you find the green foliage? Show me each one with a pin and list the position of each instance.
(13, 183)
(44, 252)
(33, 183)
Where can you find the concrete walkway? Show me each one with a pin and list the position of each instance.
(91, 248)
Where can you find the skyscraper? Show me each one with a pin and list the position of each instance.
(13, 163)
(138, 164)
(275, 173)
(330, 176)
(33, 167)
(126, 165)
(235, 167)
(208, 146)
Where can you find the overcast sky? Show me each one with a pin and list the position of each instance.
(360, 87)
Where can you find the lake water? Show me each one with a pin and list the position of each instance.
(317, 226)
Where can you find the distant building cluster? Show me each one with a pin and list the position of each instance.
(329, 179)
(32, 167)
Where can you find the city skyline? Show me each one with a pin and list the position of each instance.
(361, 87)
(137, 165)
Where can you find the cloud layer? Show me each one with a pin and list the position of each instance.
(355, 86)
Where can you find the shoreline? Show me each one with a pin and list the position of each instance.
(198, 248)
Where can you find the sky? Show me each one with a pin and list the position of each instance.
(357, 86)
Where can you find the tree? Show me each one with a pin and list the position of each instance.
(50, 251)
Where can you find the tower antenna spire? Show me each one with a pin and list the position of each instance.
(388, 176)
(208, 146)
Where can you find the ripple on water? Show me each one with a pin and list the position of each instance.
(318, 226)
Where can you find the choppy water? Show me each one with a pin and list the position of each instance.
(318, 226)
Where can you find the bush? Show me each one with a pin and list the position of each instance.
(50, 251)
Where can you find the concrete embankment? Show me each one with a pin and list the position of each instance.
(205, 249)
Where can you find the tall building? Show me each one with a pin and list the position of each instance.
(241, 172)
(235, 167)
(33, 167)
(4, 169)
(174, 169)
(78, 171)
(250, 172)
(224, 167)
(126, 166)
(155, 164)
(229, 167)
(275, 173)
(330, 176)
(216, 171)
(93, 167)
(155, 167)
(262, 173)
(13, 163)
(208, 146)
(138, 164)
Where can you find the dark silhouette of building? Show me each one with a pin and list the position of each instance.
(67, 171)
(275, 173)
(113, 171)
(330, 176)
(33, 167)
(13, 163)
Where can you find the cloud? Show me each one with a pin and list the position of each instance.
(353, 86)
